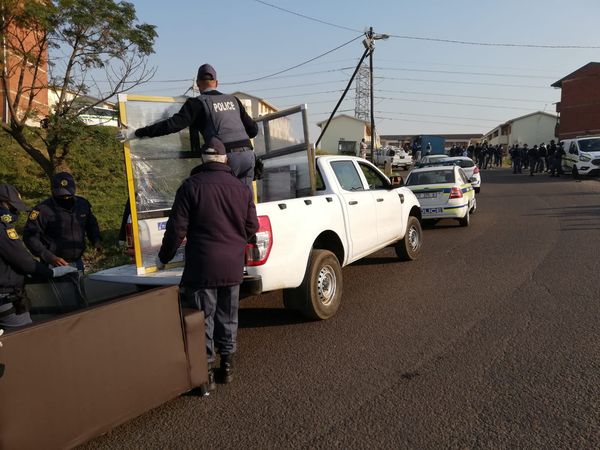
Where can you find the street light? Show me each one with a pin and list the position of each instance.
(369, 44)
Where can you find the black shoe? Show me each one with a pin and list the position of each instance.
(207, 388)
(226, 369)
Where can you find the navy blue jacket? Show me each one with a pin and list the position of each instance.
(216, 212)
(15, 261)
(52, 230)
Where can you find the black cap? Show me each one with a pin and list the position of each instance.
(214, 147)
(63, 184)
(9, 194)
(206, 72)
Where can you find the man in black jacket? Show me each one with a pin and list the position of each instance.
(56, 228)
(213, 114)
(16, 262)
(216, 212)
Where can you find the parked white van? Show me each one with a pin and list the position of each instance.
(582, 155)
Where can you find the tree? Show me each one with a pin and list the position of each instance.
(75, 49)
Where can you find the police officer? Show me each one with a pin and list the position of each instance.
(532, 155)
(56, 228)
(16, 262)
(557, 163)
(213, 114)
(216, 212)
(515, 154)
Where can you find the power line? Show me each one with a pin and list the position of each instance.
(430, 39)
(298, 65)
(441, 116)
(307, 17)
(451, 103)
(478, 83)
(488, 74)
(434, 122)
(465, 96)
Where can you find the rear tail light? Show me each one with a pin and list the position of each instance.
(475, 170)
(258, 252)
(456, 193)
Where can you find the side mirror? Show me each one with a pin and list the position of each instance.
(397, 181)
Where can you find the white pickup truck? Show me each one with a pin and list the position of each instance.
(303, 243)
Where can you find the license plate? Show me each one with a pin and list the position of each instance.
(431, 210)
(427, 195)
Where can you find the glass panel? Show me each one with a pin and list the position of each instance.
(347, 175)
(374, 178)
(431, 177)
(282, 146)
(159, 166)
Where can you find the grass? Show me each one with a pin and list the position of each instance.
(99, 172)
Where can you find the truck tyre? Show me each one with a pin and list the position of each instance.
(409, 248)
(320, 294)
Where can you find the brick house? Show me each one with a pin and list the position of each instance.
(579, 106)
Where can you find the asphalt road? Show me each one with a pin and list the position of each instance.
(490, 340)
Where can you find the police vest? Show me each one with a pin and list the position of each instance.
(224, 120)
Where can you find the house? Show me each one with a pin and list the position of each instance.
(530, 129)
(344, 133)
(101, 113)
(255, 106)
(579, 106)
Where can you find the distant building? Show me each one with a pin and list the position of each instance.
(255, 106)
(579, 106)
(102, 114)
(398, 140)
(344, 133)
(33, 79)
(530, 129)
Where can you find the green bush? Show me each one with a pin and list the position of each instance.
(98, 168)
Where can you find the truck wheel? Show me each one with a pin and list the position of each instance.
(465, 221)
(409, 248)
(320, 294)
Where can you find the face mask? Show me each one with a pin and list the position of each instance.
(9, 215)
(65, 202)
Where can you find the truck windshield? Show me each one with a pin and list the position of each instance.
(589, 145)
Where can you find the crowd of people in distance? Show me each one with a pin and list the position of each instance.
(538, 159)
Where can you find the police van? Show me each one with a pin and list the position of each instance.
(582, 155)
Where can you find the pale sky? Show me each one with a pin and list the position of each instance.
(420, 86)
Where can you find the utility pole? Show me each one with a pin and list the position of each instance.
(369, 44)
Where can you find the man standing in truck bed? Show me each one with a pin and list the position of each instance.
(214, 114)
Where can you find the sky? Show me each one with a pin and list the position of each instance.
(420, 86)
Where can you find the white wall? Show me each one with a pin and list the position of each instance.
(341, 128)
(533, 130)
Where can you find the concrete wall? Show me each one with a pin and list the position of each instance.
(532, 130)
(342, 128)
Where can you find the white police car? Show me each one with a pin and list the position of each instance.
(444, 192)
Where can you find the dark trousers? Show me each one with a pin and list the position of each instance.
(532, 162)
(220, 306)
(517, 165)
(242, 165)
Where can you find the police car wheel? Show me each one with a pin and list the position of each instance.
(320, 294)
(409, 248)
(465, 221)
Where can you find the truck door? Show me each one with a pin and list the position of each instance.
(572, 156)
(387, 204)
(359, 207)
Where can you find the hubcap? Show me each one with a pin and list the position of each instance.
(326, 285)
(413, 238)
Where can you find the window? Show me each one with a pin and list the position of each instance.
(374, 178)
(320, 183)
(463, 176)
(431, 177)
(347, 175)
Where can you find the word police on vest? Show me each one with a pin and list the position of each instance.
(224, 106)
